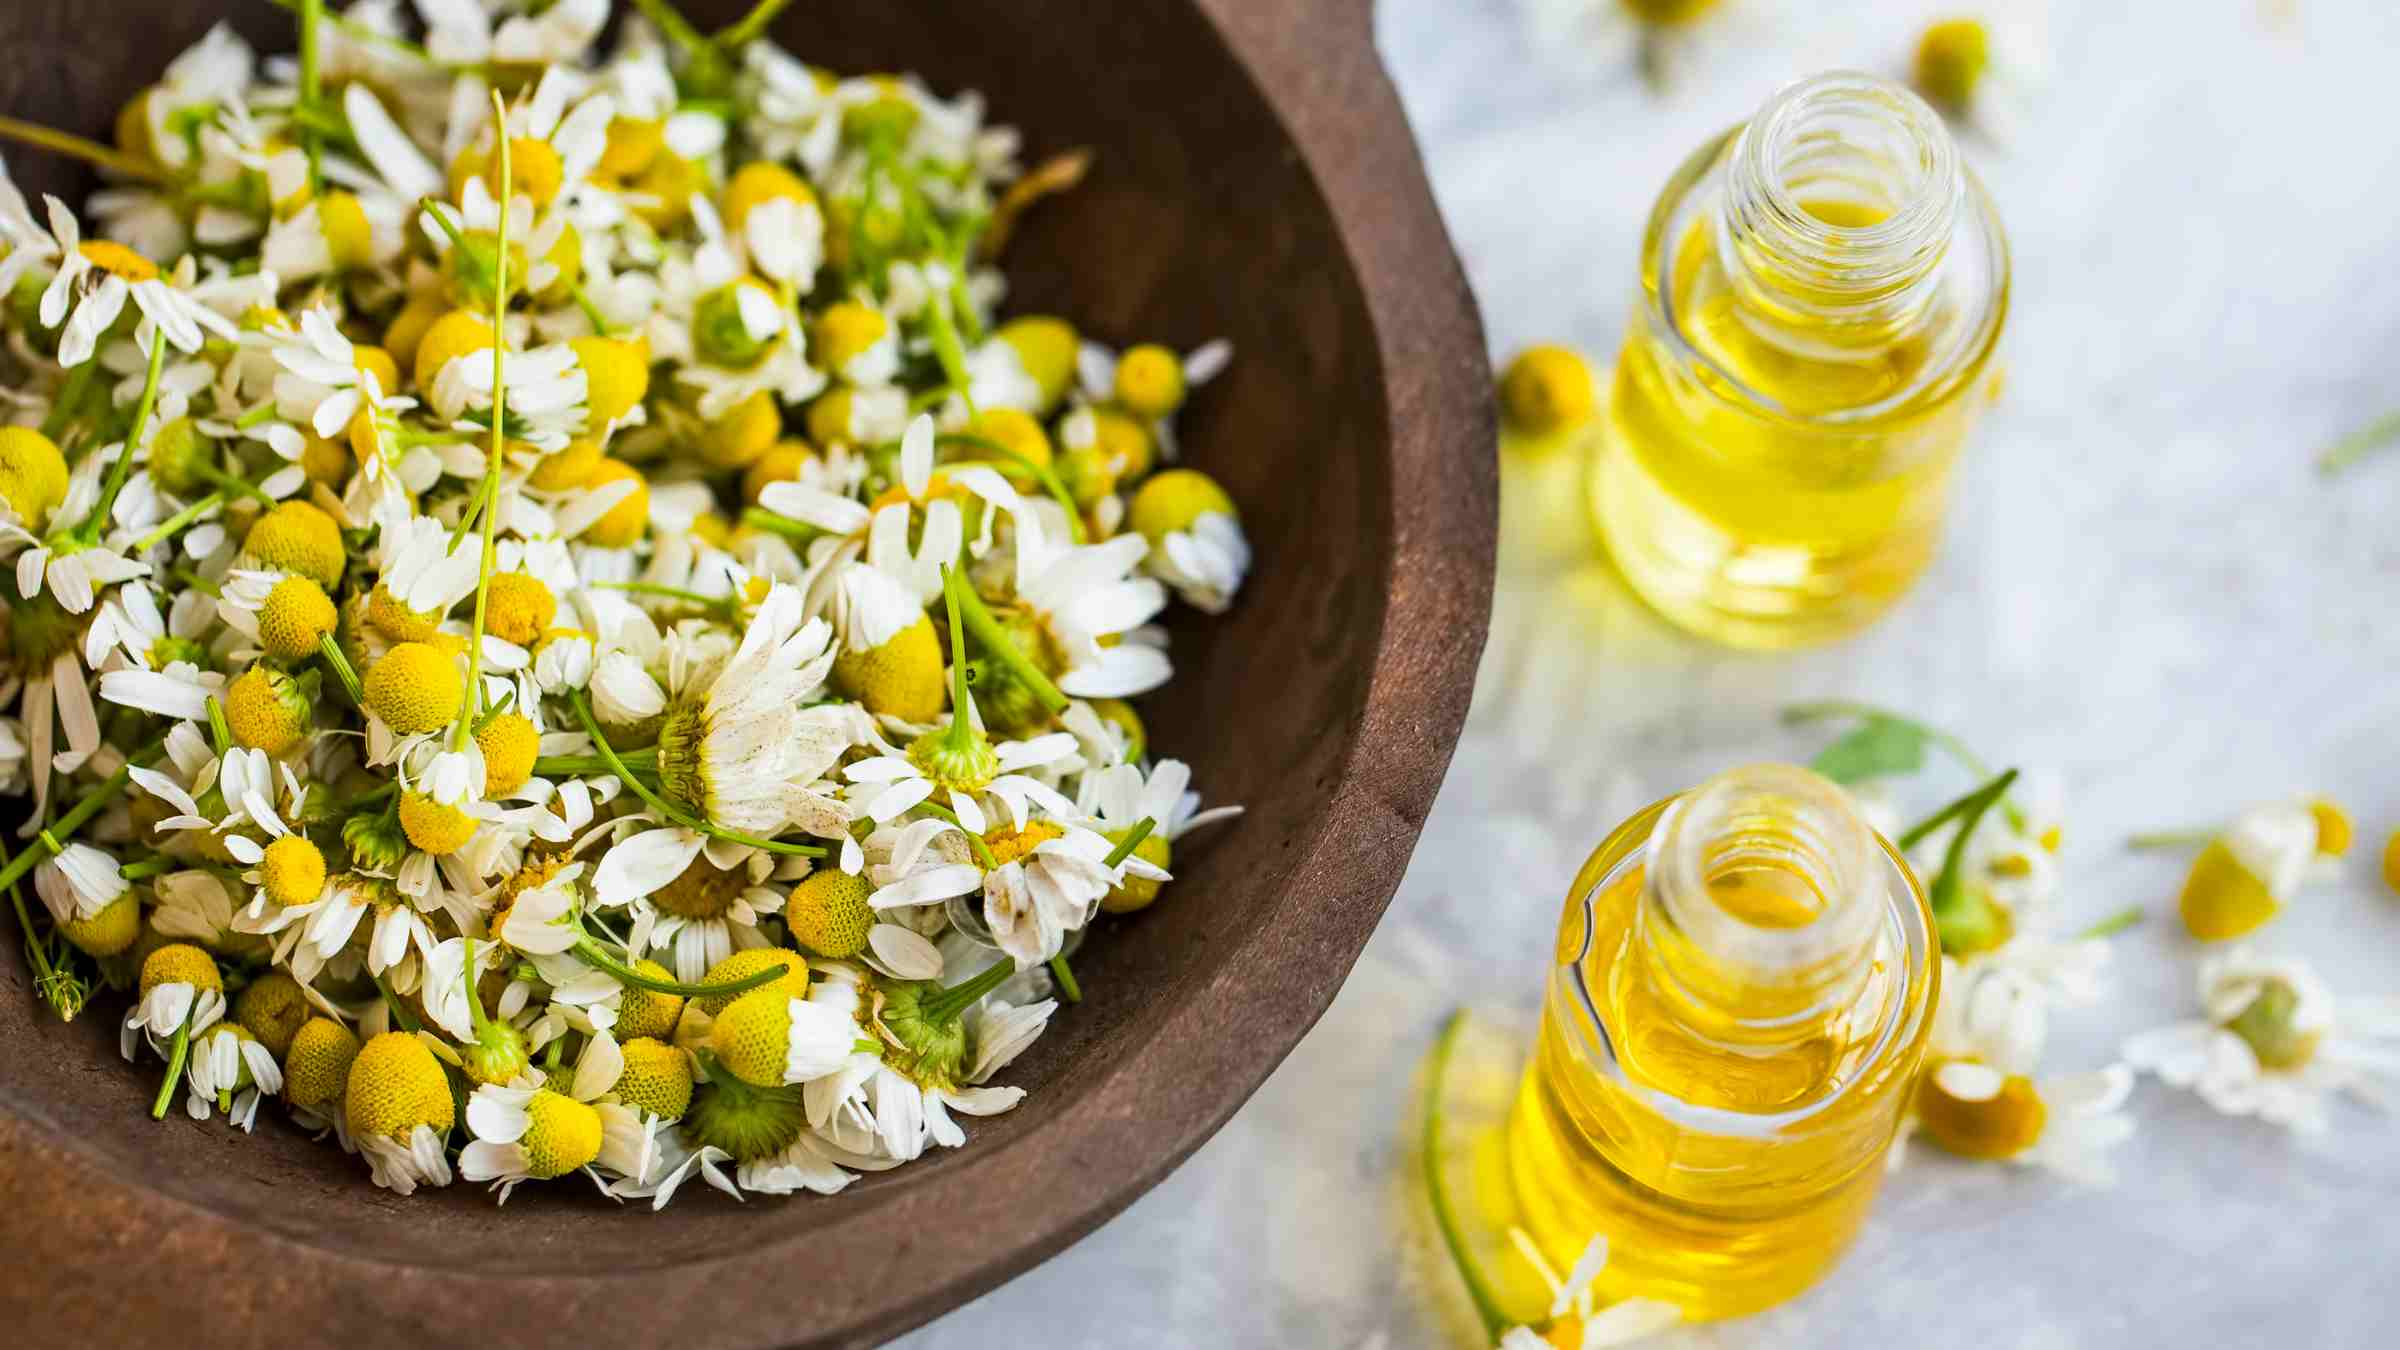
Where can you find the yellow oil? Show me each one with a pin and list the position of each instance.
(1776, 468)
(1727, 1154)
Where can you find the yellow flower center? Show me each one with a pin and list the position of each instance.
(272, 1010)
(317, 1067)
(296, 615)
(747, 430)
(752, 1033)
(118, 261)
(846, 331)
(1009, 844)
(433, 827)
(1150, 381)
(2221, 899)
(1952, 58)
(902, 678)
(264, 711)
(616, 376)
(394, 1085)
(632, 143)
(702, 890)
(622, 526)
(458, 333)
(1045, 347)
(415, 688)
(108, 932)
(2000, 1125)
(1545, 391)
(518, 608)
(646, 1012)
(780, 464)
(293, 871)
(180, 963)
(2334, 831)
(657, 1076)
(567, 468)
(33, 474)
(349, 239)
(2270, 1025)
(510, 746)
(828, 913)
(757, 183)
(300, 538)
(1170, 502)
(1137, 892)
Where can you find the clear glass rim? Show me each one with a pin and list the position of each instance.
(1906, 915)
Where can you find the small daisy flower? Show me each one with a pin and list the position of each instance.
(2275, 1044)
(1979, 1097)
(733, 735)
(397, 1102)
(180, 985)
(1052, 885)
(229, 1069)
(95, 279)
(2249, 872)
(1119, 798)
(1196, 540)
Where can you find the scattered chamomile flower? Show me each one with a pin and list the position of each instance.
(2247, 872)
(1984, 70)
(1546, 392)
(1195, 536)
(2275, 1044)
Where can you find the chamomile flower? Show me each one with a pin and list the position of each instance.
(733, 735)
(95, 278)
(180, 986)
(1195, 536)
(2274, 1043)
(229, 1070)
(1980, 1096)
(685, 903)
(397, 1103)
(2245, 875)
(1052, 885)
(1119, 798)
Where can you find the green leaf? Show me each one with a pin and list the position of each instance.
(1878, 747)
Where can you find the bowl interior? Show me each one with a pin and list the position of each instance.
(1200, 220)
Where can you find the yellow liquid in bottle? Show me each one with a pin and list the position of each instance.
(1729, 1153)
(1778, 453)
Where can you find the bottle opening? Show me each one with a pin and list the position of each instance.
(1766, 875)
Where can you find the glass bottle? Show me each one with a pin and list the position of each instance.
(1822, 292)
(1745, 982)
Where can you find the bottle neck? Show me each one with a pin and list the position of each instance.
(1762, 905)
(1840, 201)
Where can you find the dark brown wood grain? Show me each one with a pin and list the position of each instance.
(1254, 180)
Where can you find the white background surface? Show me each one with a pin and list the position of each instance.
(2147, 595)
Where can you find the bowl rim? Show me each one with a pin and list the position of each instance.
(1314, 68)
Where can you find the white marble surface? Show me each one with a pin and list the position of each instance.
(2147, 593)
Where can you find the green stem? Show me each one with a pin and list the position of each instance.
(242, 487)
(177, 521)
(982, 850)
(70, 397)
(400, 1014)
(962, 702)
(1065, 976)
(123, 468)
(175, 1057)
(1487, 1307)
(55, 838)
(491, 478)
(1041, 473)
(720, 604)
(2359, 444)
(667, 809)
(1132, 840)
(946, 1004)
(312, 13)
(747, 29)
(1916, 833)
(994, 639)
(50, 980)
(441, 218)
(353, 28)
(264, 412)
(591, 312)
(146, 868)
(475, 1017)
(946, 348)
(1941, 894)
(760, 518)
(91, 152)
(589, 951)
(331, 651)
(2115, 923)
(2160, 839)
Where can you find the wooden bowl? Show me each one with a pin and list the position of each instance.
(1254, 180)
